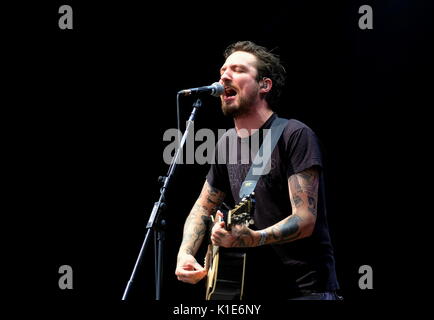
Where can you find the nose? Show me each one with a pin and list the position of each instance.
(226, 76)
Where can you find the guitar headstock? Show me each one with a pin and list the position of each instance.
(242, 212)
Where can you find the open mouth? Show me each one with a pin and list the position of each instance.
(229, 93)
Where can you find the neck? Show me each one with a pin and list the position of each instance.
(248, 124)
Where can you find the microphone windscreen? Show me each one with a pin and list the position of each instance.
(219, 89)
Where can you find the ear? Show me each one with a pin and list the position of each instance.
(265, 85)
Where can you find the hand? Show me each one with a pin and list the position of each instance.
(239, 236)
(189, 270)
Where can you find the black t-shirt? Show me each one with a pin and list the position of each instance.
(279, 270)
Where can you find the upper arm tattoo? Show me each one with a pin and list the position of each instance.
(303, 193)
(214, 197)
(303, 190)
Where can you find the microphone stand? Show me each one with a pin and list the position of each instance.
(155, 223)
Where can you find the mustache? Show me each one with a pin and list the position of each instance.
(229, 85)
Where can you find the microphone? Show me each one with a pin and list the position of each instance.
(215, 90)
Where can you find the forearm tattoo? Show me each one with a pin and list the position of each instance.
(244, 238)
(196, 224)
(194, 229)
(287, 230)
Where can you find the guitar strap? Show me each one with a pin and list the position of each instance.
(262, 163)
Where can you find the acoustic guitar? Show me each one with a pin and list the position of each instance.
(226, 266)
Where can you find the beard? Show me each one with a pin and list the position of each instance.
(240, 108)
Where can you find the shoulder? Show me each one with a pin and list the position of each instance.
(295, 127)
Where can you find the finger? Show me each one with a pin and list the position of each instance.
(219, 215)
(198, 267)
(217, 239)
(237, 228)
(220, 233)
(191, 267)
(191, 276)
(191, 273)
(214, 240)
(191, 280)
(188, 267)
(218, 226)
(186, 279)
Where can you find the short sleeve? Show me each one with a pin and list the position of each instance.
(303, 150)
(217, 176)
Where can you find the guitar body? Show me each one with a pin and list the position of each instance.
(226, 278)
(226, 266)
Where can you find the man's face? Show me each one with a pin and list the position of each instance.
(238, 76)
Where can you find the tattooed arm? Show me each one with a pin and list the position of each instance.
(303, 193)
(188, 269)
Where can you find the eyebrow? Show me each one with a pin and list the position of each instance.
(236, 65)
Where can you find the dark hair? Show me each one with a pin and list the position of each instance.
(268, 65)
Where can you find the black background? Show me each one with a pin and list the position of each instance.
(89, 107)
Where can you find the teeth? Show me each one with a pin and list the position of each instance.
(229, 91)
